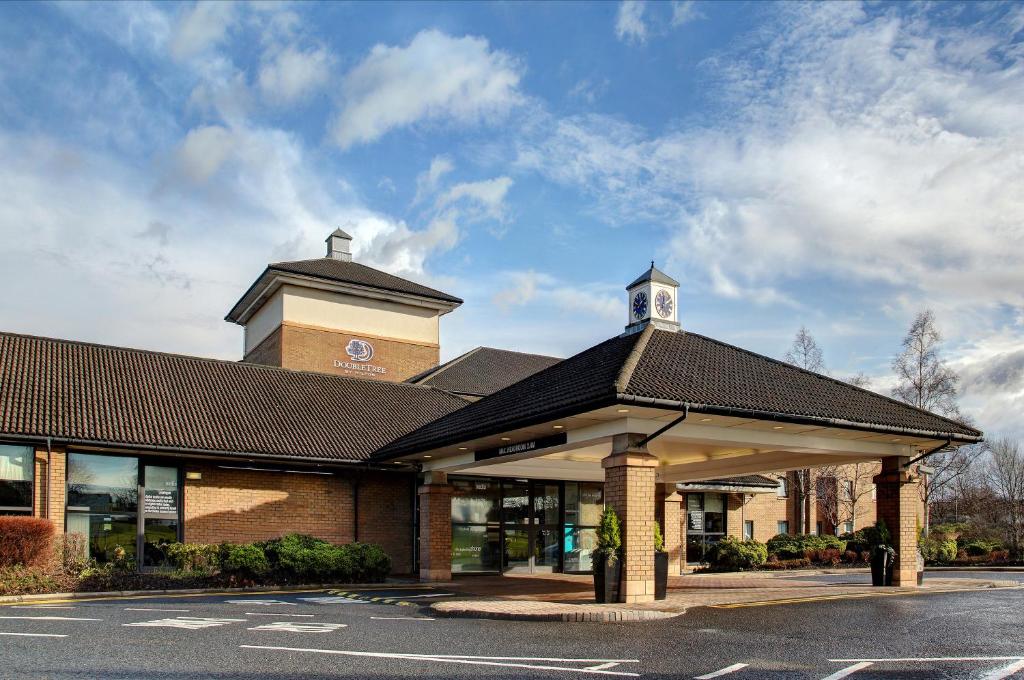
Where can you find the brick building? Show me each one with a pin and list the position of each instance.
(340, 422)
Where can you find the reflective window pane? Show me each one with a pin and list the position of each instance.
(475, 549)
(547, 548)
(158, 533)
(545, 503)
(517, 549)
(103, 483)
(105, 533)
(16, 475)
(161, 491)
(515, 502)
(714, 513)
(584, 502)
(579, 548)
(475, 501)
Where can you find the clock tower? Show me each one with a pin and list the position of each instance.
(652, 299)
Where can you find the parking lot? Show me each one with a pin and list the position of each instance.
(321, 634)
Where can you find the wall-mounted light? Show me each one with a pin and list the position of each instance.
(193, 476)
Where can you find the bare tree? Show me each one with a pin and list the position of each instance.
(826, 488)
(923, 378)
(841, 490)
(860, 380)
(805, 353)
(1005, 475)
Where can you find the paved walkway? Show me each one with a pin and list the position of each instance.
(569, 597)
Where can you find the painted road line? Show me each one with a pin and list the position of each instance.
(851, 596)
(409, 597)
(185, 623)
(333, 600)
(171, 596)
(301, 627)
(402, 618)
(302, 616)
(1005, 671)
(47, 618)
(849, 670)
(603, 666)
(39, 606)
(926, 659)
(724, 671)
(263, 603)
(46, 635)
(469, 660)
(359, 597)
(152, 609)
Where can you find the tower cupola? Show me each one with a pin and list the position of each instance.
(652, 299)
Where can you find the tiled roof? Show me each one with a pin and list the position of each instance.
(673, 369)
(359, 274)
(744, 480)
(483, 371)
(82, 392)
(656, 275)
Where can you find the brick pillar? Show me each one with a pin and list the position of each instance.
(55, 504)
(435, 528)
(629, 474)
(897, 505)
(666, 507)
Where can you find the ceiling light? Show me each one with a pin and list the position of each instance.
(623, 410)
(776, 427)
(427, 457)
(506, 439)
(705, 420)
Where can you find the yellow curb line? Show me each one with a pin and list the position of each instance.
(105, 598)
(852, 596)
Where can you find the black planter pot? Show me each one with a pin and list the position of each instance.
(660, 575)
(606, 579)
(882, 565)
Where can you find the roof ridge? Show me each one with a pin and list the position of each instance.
(838, 381)
(210, 360)
(431, 372)
(629, 365)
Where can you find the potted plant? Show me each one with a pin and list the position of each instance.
(607, 565)
(883, 555)
(660, 565)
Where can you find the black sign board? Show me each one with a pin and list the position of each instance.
(521, 447)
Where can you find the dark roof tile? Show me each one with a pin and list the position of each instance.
(483, 371)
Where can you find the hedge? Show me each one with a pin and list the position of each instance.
(789, 546)
(732, 553)
(25, 541)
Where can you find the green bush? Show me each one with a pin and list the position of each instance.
(981, 547)
(810, 546)
(370, 563)
(21, 580)
(732, 553)
(946, 551)
(609, 537)
(194, 557)
(246, 560)
(304, 558)
(659, 540)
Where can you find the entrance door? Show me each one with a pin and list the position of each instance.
(531, 526)
(160, 510)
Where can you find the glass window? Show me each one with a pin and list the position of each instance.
(515, 502)
(545, 503)
(475, 501)
(475, 549)
(848, 527)
(517, 549)
(579, 548)
(783, 527)
(16, 477)
(783, 490)
(102, 484)
(848, 489)
(748, 530)
(714, 513)
(695, 513)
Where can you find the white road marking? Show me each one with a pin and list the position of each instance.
(185, 622)
(39, 606)
(301, 627)
(724, 671)
(603, 666)
(264, 603)
(305, 616)
(470, 660)
(46, 635)
(47, 618)
(149, 609)
(1004, 672)
(924, 659)
(849, 670)
(333, 600)
(402, 618)
(409, 597)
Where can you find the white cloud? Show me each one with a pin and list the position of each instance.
(290, 75)
(486, 197)
(428, 180)
(538, 289)
(629, 22)
(200, 28)
(436, 77)
(684, 12)
(203, 151)
(589, 90)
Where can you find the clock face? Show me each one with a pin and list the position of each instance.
(640, 305)
(663, 303)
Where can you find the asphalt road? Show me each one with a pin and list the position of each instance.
(295, 635)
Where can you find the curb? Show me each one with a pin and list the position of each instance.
(600, 616)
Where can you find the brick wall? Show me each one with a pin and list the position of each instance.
(250, 505)
(305, 348)
(629, 489)
(435, 530)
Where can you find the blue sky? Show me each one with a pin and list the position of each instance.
(839, 166)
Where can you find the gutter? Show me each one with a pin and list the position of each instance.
(797, 420)
(930, 452)
(49, 475)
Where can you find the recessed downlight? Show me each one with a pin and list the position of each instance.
(623, 410)
(558, 427)
(463, 448)
(506, 439)
(776, 427)
(705, 420)
(425, 457)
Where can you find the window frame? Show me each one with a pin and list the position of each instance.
(22, 510)
(779, 526)
(782, 490)
(748, 523)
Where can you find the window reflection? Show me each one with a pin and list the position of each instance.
(16, 476)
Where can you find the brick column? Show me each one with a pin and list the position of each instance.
(667, 502)
(897, 505)
(55, 504)
(629, 474)
(435, 528)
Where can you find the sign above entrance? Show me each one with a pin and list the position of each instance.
(521, 447)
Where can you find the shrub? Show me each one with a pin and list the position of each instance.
(609, 537)
(785, 546)
(659, 540)
(22, 580)
(246, 560)
(946, 551)
(371, 563)
(70, 554)
(980, 548)
(851, 556)
(787, 564)
(309, 559)
(807, 546)
(732, 553)
(25, 541)
(194, 557)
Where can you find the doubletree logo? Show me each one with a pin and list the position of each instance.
(359, 350)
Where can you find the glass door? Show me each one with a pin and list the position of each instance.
(515, 520)
(160, 513)
(546, 544)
